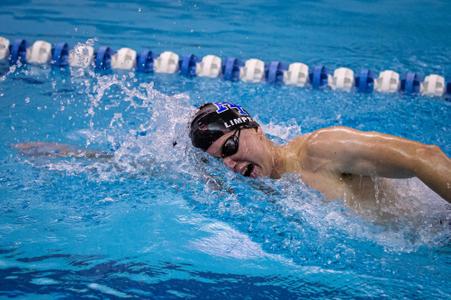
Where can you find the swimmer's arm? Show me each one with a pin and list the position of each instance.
(58, 150)
(345, 150)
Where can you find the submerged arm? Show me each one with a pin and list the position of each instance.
(345, 150)
(58, 150)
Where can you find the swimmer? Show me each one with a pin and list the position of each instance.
(339, 162)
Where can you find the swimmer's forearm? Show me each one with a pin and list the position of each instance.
(59, 150)
(433, 167)
(94, 154)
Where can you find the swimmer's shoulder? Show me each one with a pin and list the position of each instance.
(317, 150)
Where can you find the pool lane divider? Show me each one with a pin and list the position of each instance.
(230, 68)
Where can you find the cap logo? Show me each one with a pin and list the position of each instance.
(225, 106)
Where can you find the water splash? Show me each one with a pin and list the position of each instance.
(146, 131)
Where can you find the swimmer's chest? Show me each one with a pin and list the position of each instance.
(347, 187)
(374, 198)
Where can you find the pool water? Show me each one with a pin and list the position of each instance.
(165, 221)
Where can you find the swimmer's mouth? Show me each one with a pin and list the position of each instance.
(248, 170)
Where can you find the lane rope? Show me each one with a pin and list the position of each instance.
(230, 68)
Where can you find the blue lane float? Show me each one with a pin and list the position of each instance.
(145, 61)
(18, 51)
(230, 68)
(410, 83)
(275, 72)
(365, 81)
(103, 58)
(60, 54)
(318, 77)
(188, 65)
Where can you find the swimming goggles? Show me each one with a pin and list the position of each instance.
(231, 145)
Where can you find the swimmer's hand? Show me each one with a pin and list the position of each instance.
(58, 150)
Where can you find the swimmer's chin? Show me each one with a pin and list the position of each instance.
(257, 174)
(253, 176)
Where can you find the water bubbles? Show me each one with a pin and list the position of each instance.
(145, 131)
(107, 200)
(285, 132)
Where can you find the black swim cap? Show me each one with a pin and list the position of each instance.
(213, 120)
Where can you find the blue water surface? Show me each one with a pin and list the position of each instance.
(164, 221)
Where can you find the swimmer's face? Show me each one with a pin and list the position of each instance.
(253, 157)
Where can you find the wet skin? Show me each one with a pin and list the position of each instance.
(342, 162)
(57, 150)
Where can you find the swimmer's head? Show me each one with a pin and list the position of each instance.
(213, 120)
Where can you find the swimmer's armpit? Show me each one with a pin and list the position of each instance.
(58, 150)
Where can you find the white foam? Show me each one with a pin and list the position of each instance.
(227, 242)
(282, 131)
(164, 122)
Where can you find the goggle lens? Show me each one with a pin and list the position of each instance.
(231, 145)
